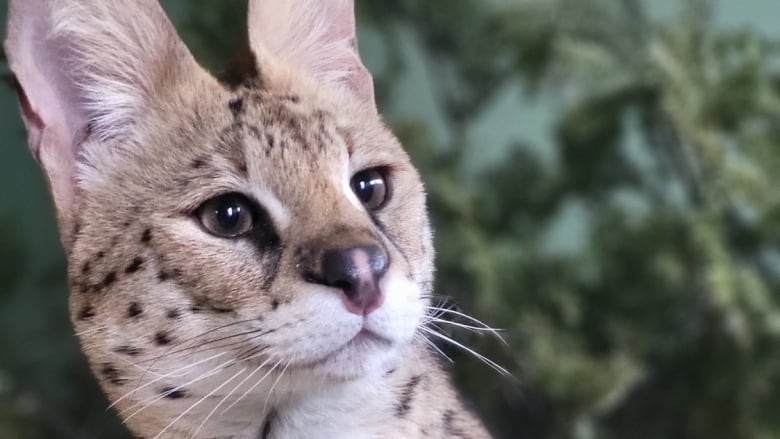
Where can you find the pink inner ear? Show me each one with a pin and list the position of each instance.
(51, 143)
(50, 106)
(316, 36)
(31, 120)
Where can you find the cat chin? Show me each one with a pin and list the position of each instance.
(365, 354)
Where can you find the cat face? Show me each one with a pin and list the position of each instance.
(222, 232)
(230, 213)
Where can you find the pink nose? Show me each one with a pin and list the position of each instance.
(357, 272)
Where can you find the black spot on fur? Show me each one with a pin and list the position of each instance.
(265, 433)
(275, 304)
(174, 274)
(134, 310)
(448, 421)
(146, 236)
(162, 338)
(173, 314)
(407, 394)
(236, 107)
(112, 374)
(269, 140)
(100, 254)
(173, 393)
(135, 265)
(109, 279)
(85, 268)
(202, 303)
(128, 350)
(198, 163)
(86, 313)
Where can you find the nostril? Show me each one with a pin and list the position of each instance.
(346, 287)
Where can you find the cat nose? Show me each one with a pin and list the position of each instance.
(357, 272)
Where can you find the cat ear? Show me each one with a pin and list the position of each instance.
(86, 68)
(317, 36)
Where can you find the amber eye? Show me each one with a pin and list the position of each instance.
(227, 216)
(370, 186)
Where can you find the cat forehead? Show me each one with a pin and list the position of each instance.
(277, 130)
(284, 127)
(289, 141)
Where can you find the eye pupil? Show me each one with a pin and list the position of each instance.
(370, 186)
(364, 190)
(227, 216)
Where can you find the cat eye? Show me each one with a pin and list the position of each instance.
(227, 216)
(370, 186)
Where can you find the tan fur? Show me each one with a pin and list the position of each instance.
(177, 324)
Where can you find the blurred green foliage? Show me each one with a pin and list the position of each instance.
(635, 264)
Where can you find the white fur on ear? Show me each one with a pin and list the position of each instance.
(317, 36)
(87, 67)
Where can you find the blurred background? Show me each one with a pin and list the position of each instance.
(604, 183)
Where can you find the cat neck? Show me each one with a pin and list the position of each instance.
(371, 406)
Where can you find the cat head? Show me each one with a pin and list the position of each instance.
(269, 220)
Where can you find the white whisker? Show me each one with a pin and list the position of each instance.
(254, 386)
(436, 348)
(477, 325)
(203, 376)
(492, 331)
(163, 377)
(197, 403)
(90, 331)
(211, 413)
(273, 386)
(476, 354)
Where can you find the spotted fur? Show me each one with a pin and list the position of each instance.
(196, 335)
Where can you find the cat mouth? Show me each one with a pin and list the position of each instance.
(364, 343)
